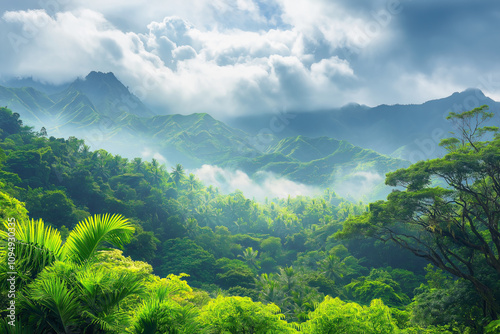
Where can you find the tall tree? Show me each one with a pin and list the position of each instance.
(449, 212)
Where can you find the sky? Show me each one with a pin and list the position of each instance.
(241, 57)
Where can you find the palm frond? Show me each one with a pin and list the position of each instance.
(18, 327)
(3, 235)
(36, 247)
(90, 235)
(60, 302)
(35, 232)
(104, 291)
(113, 322)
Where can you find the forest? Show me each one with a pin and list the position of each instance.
(104, 244)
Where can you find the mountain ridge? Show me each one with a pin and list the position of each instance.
(398, 130)
(321, 149)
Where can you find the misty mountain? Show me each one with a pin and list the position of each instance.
(90, 108)
(350, 170)
(107, 94)
(96, 98)
(192, 140)
(411, 132)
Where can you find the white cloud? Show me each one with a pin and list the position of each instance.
(357, 185)
(269, 185)
(177, 66)
(232, 57)
(147, 153)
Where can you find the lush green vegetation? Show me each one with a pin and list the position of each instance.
(117, 245)
(102, 109)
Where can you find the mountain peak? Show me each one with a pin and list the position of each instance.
(471, 91)
(109, 94)
(101, 76)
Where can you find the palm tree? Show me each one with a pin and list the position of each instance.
(191, 226)
(288, 278)
(63, 288)
(270, 290)
(177, 173)
(192, 182)
(85, 150)
(157, 171)
(138, 165)
(38, 246)
(333, 268)
(250, 257)
(161, 314)
(67, 297)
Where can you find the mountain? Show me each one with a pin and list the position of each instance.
(192, 140)
(28, 102)
(102, 111)
(96, 98)
(43, 87)
(411, 132)
(349, 170)
(107, 94)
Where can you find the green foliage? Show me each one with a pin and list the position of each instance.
(493, 327)
(9, 123)
(225, 242)
(234, 273)
(365, 290)
(12, 208)
(272, 246)
(185, 256)
(455, 227)
(336, 316)
(36, 246)
(240, 315)
(53, 207)
(90, 235)
(162, 312)
(165, 316)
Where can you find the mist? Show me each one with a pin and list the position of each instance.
(262, 185)
(364, 186)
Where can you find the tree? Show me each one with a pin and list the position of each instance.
(9, 122)
(161, 313)
(250, 257)
(449, 211)
(336, 316)
(272, 246)
(11, 208)
(240, 315)
(64, 286)
(177, 174)
(53, 207)
(185, 256)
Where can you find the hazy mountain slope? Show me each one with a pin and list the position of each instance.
(327, 162)
(74, 109)
(108, 95)
(193, 140)
(91, 108)
(407, 131)
(99, 96)
(30, 103)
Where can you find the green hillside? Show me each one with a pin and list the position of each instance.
(325, 162)
(175, 256)
(101, 106)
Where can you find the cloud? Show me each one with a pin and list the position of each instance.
(269, 185)
(148, 153)
(358, 186)
(231, 58)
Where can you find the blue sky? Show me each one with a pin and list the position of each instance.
(238, 57)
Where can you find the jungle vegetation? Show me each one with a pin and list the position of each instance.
(105, 244)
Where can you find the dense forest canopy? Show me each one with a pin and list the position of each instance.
(111, 245)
